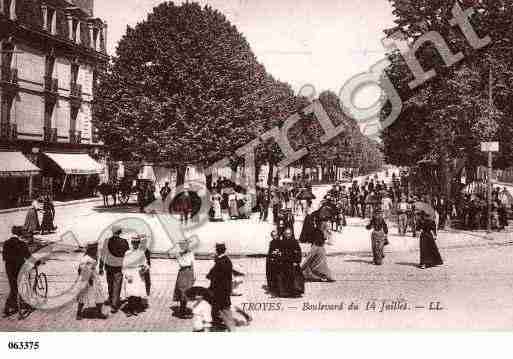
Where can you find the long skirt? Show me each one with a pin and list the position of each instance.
(47, 222)
(91, 294)
(32, 221)
(135, 287)
(315, 268)
(378, 242)
(233, 208)
(217, 210)
(184, 281)
(429, 254)
(289, 281)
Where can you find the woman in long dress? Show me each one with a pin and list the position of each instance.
(378, 236)
(289, 279)
(48, 216)
(134, 268)
(185, 279)
(233, 208)
(32, 224)
(429, 254)
(315, 267)
(248, 205)
(216, 205)
(272, 262)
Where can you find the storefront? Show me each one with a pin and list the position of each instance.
(17, 175)
(70, 175)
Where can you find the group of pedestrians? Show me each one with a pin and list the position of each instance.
(128, 267)
(40, 217)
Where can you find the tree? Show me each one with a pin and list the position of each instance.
(446, 118)
(182, 89)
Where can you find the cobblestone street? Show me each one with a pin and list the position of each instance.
(473, 288)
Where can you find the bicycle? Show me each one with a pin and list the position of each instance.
(33, 285)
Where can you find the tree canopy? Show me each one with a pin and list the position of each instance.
(447, 117)
(186, 89)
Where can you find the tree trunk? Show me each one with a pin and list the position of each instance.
(208, 179)
(180, 175)
(445, 173)
(258, 168)
(270, 174)
(234, 167)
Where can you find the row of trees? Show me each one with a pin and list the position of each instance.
(445, 119)
(186, 89)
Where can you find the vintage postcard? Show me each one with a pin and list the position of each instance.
(255, 165)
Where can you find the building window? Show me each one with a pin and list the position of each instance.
(6, 109)
(7, 57)
(96, 33)
(75, 29)
(49, 107)
(51, 83)
(74, 135)
(51, 23)
(74, 73)
(9, 8)
(49, 65)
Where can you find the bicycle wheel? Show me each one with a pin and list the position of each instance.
(41, 285)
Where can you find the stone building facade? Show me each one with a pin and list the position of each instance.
(51, 51)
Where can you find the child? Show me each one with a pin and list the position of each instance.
(201, 312)
(134, 269)
(92, 290)
(185, 278)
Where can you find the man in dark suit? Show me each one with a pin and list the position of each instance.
(15, 252)
(221, 281)
(113, 251)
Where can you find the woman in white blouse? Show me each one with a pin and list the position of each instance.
(185, 278)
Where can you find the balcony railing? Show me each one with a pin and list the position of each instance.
(9, 75)
(9, 131)
(51, 84)
(75, 137)
(50, 135)
(76, 90)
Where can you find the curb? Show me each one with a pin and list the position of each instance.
(56, 204)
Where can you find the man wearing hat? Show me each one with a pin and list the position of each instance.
(15, 252)
(221, 281)
(113, 252)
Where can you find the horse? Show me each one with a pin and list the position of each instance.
(107, 189)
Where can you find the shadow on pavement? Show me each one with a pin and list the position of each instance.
(359, 261)
(117, 209)
(407, 264)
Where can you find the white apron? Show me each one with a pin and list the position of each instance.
(133, 264)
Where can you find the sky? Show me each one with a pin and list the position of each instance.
(303, 42)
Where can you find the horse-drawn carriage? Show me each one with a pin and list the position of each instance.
(123, 190)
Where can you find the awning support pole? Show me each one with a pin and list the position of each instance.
(31, 186)
(64, 183)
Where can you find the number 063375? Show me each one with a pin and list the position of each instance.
(23, 345)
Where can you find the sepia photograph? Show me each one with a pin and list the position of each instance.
(255, 166)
